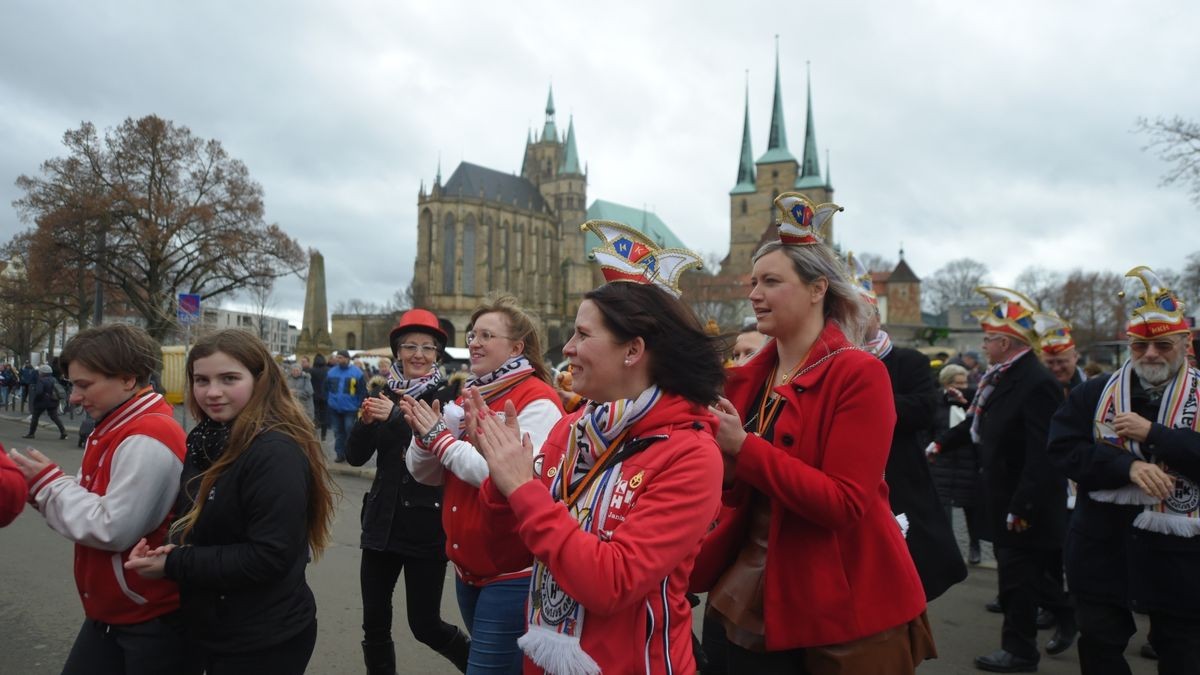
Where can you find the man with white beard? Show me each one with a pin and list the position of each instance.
(1131, 442)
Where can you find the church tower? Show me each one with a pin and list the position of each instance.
(810, 183)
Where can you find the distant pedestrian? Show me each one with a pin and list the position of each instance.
(300, 383)
(9, 382)
(28, 379)
(46, 397)
(345, 388)
(320, 405)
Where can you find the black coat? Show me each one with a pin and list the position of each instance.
(930, 538)
(241, 576)
(399, 514)
(955, 474)
(43, 396)
(1107, 558)
(1018, 477)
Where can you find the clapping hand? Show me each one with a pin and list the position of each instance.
(377, 408)
(419, 415)
(508, 451)
(30, 465)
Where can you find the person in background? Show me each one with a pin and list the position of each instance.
(317, 372)
(8, 384)
(256, 503)
(45, 398)
(12, 489)
(28, 380)
(124, 491)
(956, 474)
(747, 344)
(1058, 350)
(345, 389)
(401, 517)
(301, 386)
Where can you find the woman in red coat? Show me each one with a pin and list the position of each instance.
(811, 573)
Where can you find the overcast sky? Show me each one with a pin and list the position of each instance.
(1000, 131)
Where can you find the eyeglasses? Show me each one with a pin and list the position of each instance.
(992, 338)
(409, 348)
(484, 337)
(1160, 346)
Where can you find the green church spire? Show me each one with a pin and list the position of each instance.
(745, 175)
(550, 131)
(570, 162)
(777, 150)
(810, 170)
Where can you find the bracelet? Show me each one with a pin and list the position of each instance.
(428, 436)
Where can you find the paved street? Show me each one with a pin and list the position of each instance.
(40, 613)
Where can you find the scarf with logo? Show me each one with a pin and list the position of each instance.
(416, 386)
(511, 373)
(880, 345)
(1179, 513)
(556, 619)
(987, 383)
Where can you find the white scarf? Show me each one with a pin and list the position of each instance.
(416, 386)
(555, 618)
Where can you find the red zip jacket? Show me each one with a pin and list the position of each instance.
(12, 489)
(837, 565)
(632, 582)
(125, 490)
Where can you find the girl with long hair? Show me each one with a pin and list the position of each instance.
(256, 502)
(491, 562)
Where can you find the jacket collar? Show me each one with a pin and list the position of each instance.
(139, 403)
(749, 377)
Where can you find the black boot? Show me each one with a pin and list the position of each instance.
(380, 657)
(457, 650)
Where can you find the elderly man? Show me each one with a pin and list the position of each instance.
(1058, 349)
(1023, 494)
(1130, 441)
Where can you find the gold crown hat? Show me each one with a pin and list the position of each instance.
(1008, 313)
(629, 255)
(1054, 332)
(801, 223)
(1156, 309)
(860, 278)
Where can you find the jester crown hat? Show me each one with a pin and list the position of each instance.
(801, 221)
(629, 255)
(1156, 310)
(1054, 332)
(860, 278)
(1008, 313)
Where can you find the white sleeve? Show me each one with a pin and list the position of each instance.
(536, 419)
(423, 464)
(143, 484)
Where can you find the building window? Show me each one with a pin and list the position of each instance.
(351, 341)
(449, 257)
(744, 207)
(774, 173)
(468, 263)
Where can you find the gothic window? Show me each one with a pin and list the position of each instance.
(449, 257)
(504, 254)
(743, 207)
(492, 256)
(425, 236)
(351, 341)
(468, 262)
(774, 173)
(518, 235)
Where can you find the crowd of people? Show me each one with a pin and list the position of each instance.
(807, 486)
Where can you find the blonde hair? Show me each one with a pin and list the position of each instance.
(271, 407)
(950, 372)
(843, 304)
(522, 326)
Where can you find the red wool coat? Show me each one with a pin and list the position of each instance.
(837, 566)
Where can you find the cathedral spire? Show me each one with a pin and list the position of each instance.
(745, 175)
(570, 162)
(810, 169)
(777, 150)
(550, 131)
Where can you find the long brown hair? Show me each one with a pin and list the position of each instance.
(521, 324)
(271, 407)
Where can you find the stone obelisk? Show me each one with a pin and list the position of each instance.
(314, 334)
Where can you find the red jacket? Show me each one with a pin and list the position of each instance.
(837, 566)
(632, 583)
(12, 489)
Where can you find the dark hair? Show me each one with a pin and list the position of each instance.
(684, 360)
(115, 350)
(319, 360)
(521, 324)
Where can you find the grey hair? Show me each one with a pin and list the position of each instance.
(843, 303)
(950, 372)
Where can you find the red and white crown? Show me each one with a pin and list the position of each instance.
(629, 255)
(1054, 332)
(800, 220)
(1156, 309)
(1008, 313)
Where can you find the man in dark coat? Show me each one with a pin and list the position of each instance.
(1024, 496)
(1130, 442)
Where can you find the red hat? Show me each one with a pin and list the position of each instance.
(1054, 332)
(1008, 313)
(1156, 311)
(420, 321)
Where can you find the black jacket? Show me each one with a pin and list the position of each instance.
(1018, 477)
(1107, 558)
(241, 574)
(399, 514)
(955, 474)
(43, 395)
(930, 539)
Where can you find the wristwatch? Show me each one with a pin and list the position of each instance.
(428, 436)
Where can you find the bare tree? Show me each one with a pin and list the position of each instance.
(358, 307)
(875, 262)
(1091, 301)
(954, 282)
(169, 213)
(1041, 285)
(1177, 142)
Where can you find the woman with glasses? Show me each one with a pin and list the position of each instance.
(401, 517)
(492, 564)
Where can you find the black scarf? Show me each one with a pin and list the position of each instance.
(206, 442)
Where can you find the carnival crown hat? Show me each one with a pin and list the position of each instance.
(1156, 309)
(801, 221)
(1053, 332)
(861, 278)
(1008, 313)
(629, 255)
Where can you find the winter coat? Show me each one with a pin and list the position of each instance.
(345, 389)
(955, 474)
(399, 514)
(834, 549)
(43, 394)
(302, 389)
(12, 489)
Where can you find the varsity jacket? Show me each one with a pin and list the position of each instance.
(631, 580)
(124, 491)
(12, 489)
(482, 552)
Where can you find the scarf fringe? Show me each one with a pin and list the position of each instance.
(902, 521)
(1130, 495)
(1165, 523)
(557, 653)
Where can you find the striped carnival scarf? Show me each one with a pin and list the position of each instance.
(555, 618)
(880, 345)
(414, 387)
(986, 384)
(1178, 514)
(500, 380)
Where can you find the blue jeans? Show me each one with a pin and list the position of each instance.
(342, 423)
(495, 617)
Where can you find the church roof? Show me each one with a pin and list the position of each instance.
(903, 274)
(570, 161)
(745, 176)
(646, 222)
(503, 188)
(777, 150)
(810, 168)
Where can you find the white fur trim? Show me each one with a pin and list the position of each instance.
(557, 653)
(1163, 523)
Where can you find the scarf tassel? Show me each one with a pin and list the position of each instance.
(557, 653)
(1163, 523)
(1130, 495)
